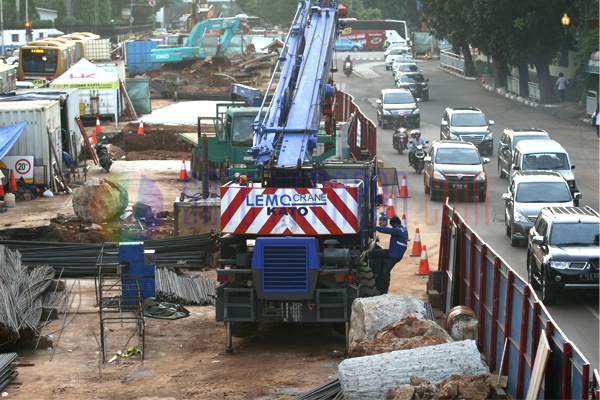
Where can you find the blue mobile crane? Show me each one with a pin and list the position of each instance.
(295, 242)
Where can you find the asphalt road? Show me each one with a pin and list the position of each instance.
(577, 315)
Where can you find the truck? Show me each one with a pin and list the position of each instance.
(296, 242)
(193, 49)
(230, 137)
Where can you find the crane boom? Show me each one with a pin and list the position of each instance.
(293, 116)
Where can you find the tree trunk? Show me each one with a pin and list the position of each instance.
(545, 81)
(500, 73)
(523, 69)
(469, 68)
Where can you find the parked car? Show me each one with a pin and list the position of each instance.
(545, 155)
(391, 102)
(563, 251)
(345, 44)
(453, 167)
(506, 146)
(527, 194)
(416, 83)
(468, 124)
(393, 53)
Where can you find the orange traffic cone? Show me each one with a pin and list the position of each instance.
(12, 183)
(98, 126)
(379, 193)
(416, 249)
(183, 172)
(404, 188)
(423, 263)
(141, 128)
(403, 220)
(94, 137)
(1, 188)
(390, 207)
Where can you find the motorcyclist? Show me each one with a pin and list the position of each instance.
(400, 121)
(415, 140)
(348, 63)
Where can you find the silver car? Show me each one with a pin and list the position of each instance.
(528, 193)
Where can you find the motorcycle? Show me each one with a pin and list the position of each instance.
(400, 139)
(419, 158)
(347, 67)
(103, 157)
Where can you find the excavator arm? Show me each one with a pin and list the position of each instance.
(193, 49)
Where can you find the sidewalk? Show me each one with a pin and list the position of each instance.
(568, 110)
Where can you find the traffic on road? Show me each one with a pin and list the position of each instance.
(576, 312)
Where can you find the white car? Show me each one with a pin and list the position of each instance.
(395, 53)
(395, 46)
(399, 68)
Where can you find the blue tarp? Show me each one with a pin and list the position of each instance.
(9, 135)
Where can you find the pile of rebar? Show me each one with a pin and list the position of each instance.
(183, 289)
(8, 372)
(331, 390)
(79, 259)
(21, 297)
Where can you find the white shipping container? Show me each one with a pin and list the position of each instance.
(115, 68)
(8, 78)
(99, 103)
(70, 110)
(34, 140)
(98, 49)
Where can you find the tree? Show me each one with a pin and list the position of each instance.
(448, 19)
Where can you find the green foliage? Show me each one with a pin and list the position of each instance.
(86, 11)
(274, 12)
(585, 47)
(70, 20)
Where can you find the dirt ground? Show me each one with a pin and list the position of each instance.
(182, 359)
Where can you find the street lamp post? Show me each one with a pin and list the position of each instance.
(565, 20)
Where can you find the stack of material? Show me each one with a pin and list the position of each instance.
(183, 289)
(21, 297)
(8, 372)
(77, 260)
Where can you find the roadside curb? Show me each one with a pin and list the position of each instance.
(511, 96)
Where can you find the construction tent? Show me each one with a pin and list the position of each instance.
(98, 89)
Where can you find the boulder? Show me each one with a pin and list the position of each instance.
(408, 333)
(371, 314)
(100, 201)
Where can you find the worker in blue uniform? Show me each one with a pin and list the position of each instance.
(384, 260)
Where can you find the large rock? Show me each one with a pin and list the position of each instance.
(408, 333)
(100, 201)
(372, 314)
(370, 377)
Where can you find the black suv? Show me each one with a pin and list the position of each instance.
(391, 102)
(468, 124)
(415, 82)
(563, 251)
(508, 141)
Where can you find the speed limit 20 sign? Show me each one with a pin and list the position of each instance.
(22, 166)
